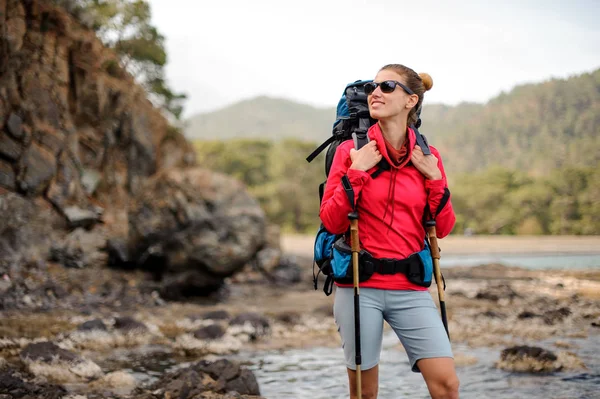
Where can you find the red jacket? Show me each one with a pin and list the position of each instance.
(390, 207)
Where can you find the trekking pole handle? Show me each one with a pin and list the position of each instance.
(435, 255)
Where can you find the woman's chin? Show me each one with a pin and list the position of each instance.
(375, 114)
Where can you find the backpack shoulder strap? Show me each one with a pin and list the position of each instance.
(320, 148)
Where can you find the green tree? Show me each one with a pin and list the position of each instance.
(126, 27)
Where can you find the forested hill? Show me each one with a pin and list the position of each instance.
(534, 127)
(263, 118)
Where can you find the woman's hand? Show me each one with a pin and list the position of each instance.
(365, 158)
(426, 164)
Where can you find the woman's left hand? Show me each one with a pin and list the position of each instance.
(426, 164)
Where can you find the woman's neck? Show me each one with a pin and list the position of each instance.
(394, 131)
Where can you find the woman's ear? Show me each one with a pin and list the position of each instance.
(412, 101)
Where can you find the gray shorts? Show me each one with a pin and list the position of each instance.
(411, 314)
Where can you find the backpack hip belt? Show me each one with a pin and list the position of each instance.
(410, 266)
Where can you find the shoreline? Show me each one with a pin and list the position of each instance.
(490, 306)
(302, 245)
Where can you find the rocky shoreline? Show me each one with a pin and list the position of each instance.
(54, 353)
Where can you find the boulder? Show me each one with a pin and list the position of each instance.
(47, 360)
(212, 331)
(205, 379)
(19, 385)
(195, 227)
(92, 325)
(532, 359)
(129, 324)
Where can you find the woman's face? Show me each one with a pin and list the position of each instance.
(389, 105)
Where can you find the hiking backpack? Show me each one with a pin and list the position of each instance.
(352, 122)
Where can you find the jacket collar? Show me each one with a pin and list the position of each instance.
(376, 134)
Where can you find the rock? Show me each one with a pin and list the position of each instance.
(119, 382)
(526, 314)
(78, 250)
(9, 148)
(128, 324)
(26, 228)
(92, 325)
(205, 379)
(7, 175)
(16, 385)
(15, 27)
(234, 377)
(14, 126)
(528, 359)
(56, 102)
(214, 315)
(77, 217)
(290, 318)
(47, 360)
(212, 331)
(268, 259)
(180, 285)
(89, 180)
(118, 253)
(288, 271)
(50, 138)
(65, 189)
(37, 168)
(194, 222)
(494, 315)
(497, 292)
(256, 326)
(46, 352)
(552, 317)
(68, 256)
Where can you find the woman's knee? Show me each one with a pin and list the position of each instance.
(445, 388)
(369, 383)
(441, 378)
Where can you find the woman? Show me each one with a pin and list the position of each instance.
(391, 209)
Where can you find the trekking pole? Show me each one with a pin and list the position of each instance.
(435, 255)
(353, 216)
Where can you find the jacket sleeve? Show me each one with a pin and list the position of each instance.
(438, 197)
(335, 206)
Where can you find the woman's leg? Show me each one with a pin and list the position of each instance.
(440, 376)
(369, 381)
(371, 331)
(416, 321)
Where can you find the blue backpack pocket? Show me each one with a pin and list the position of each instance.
(342, 258)
(424, 273)
(323, 250)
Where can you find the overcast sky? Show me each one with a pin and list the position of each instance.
(224, 51)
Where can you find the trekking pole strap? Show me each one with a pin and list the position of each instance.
(349, 191)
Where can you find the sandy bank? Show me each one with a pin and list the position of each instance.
(302, 245)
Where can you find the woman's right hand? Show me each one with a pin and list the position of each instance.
(365, 158)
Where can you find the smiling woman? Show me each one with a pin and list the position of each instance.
(388, 222)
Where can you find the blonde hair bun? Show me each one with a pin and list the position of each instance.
(427, 81)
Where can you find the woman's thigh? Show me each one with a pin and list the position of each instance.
(417, 323)
(371, 324)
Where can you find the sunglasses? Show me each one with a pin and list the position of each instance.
(386, 86)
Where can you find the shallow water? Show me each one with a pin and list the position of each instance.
(318, 373)
(534, 262)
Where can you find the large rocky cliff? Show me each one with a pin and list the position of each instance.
(91, 173)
